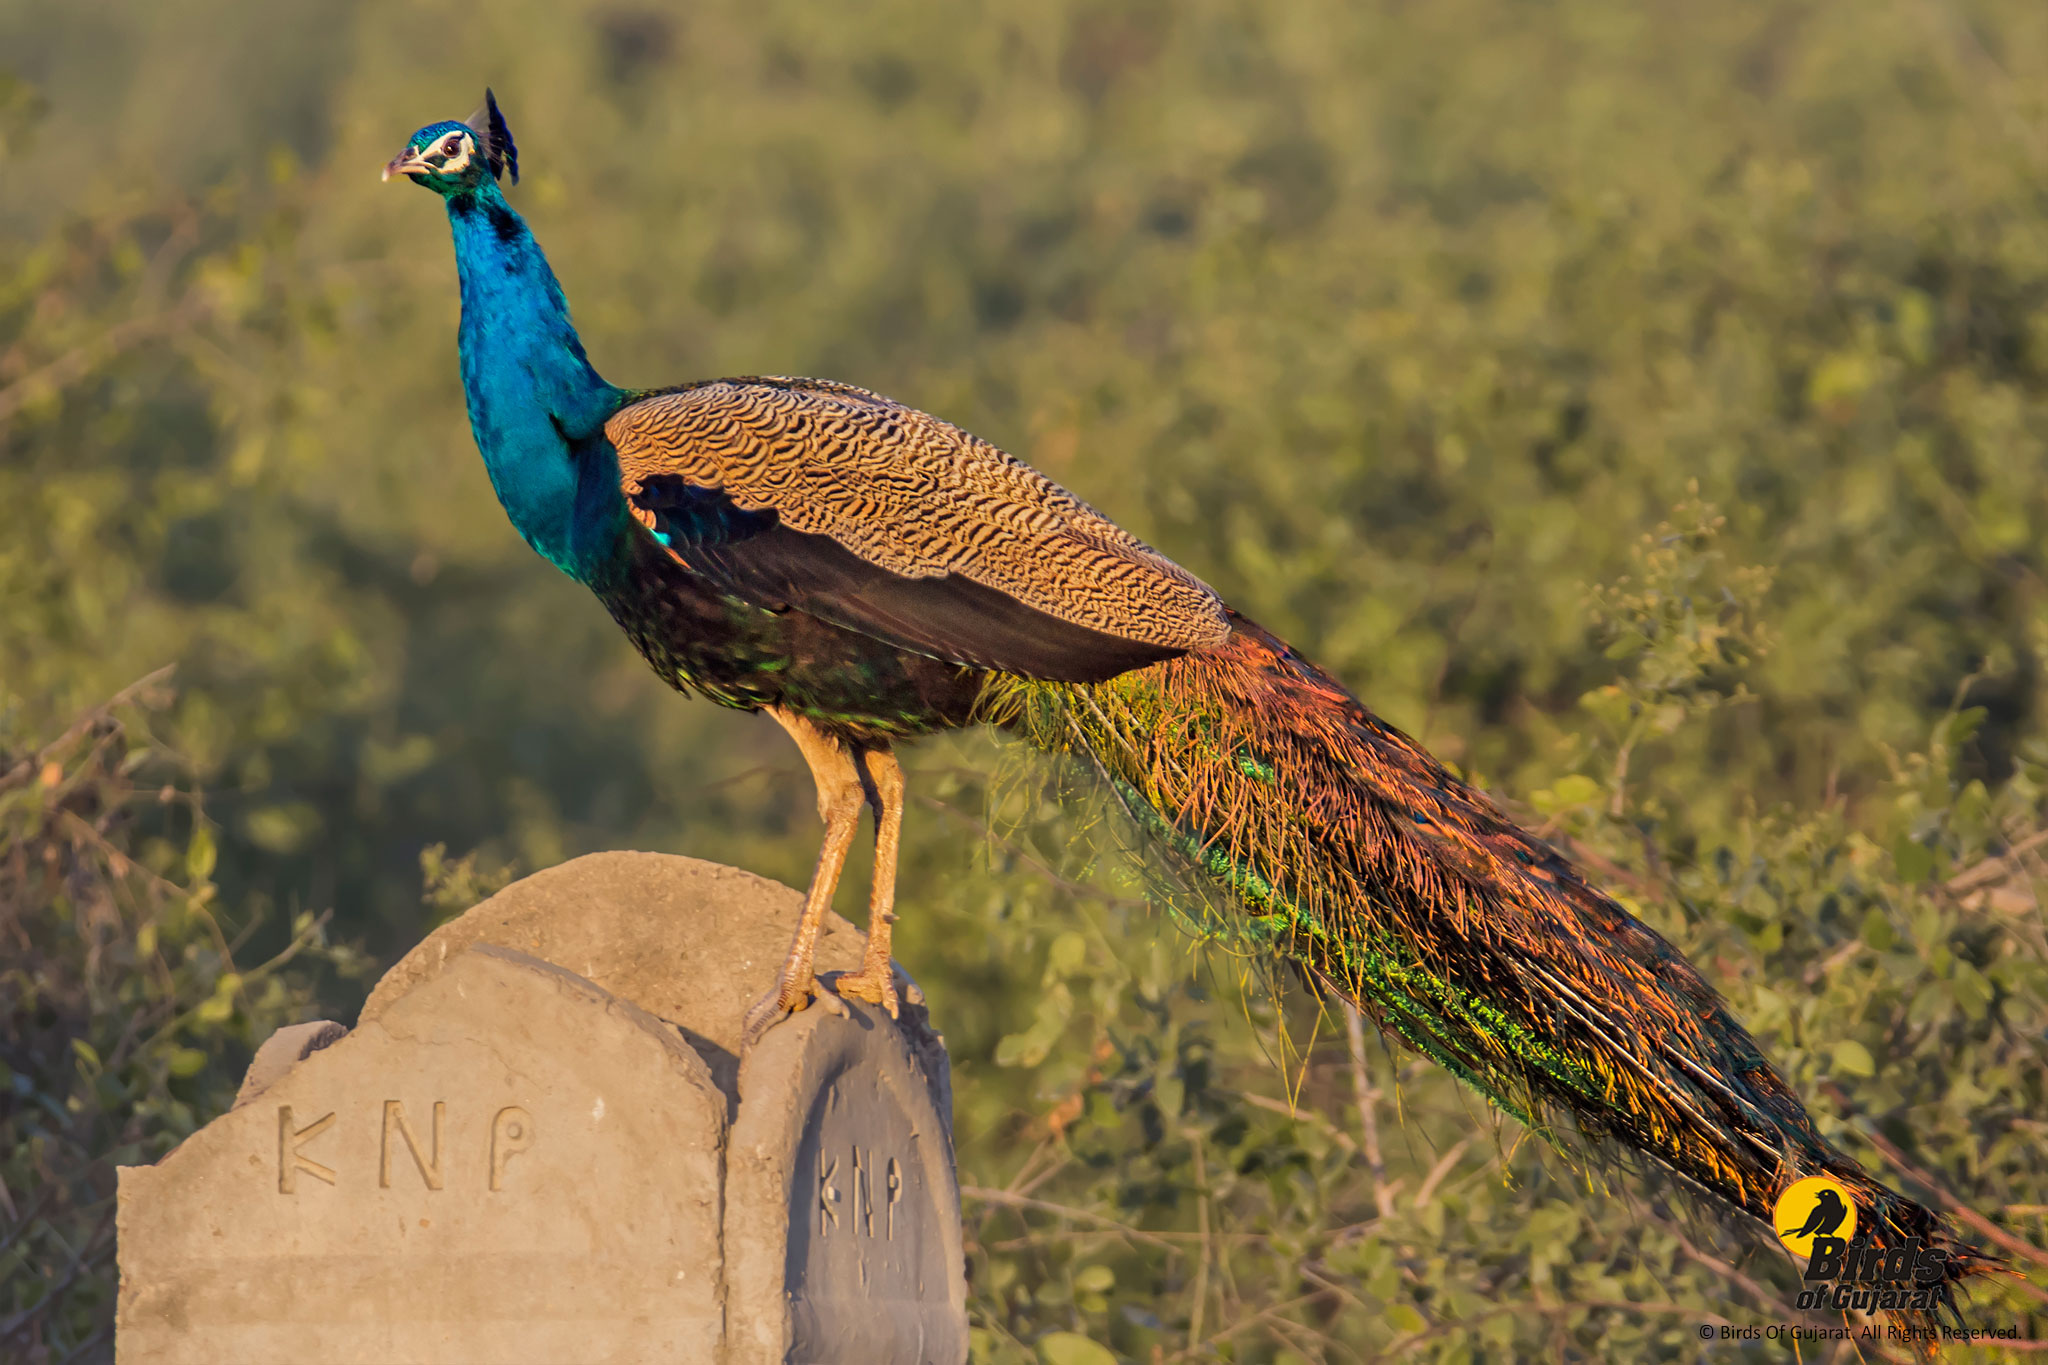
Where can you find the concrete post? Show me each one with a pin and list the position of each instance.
(541, 1142)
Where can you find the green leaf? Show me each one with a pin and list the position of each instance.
(1853, 1059)
(1576, 790)
(1972, 991)
(1171, 1093)
(1028, 1048)
(1963, 726)
(201, 854)
(1913, 859)
(187, 1061)
(1012, 1048)
(1069, 951)
(283, 828)
(1095, 1279)
(1403, 1318)
(87, 1053)
(1071, 1348)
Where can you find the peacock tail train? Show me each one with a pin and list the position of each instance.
(1403, 890)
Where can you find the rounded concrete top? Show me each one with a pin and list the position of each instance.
(688, 941)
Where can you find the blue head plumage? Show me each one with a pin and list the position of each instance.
(450, 157)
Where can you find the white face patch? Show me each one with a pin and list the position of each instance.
(458, 162)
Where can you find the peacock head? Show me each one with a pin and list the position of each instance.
(452, 158)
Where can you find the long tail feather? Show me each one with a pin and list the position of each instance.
(1412, 895)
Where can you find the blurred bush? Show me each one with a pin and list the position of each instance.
(123, 1013)
(1644, 406)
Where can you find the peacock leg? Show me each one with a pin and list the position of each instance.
(839, 801)
(875, 981)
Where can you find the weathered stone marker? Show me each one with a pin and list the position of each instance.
(540, 1143)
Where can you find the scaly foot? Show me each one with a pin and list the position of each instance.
(877, 988)
(787, 998)
(831, 993)
(887, 989)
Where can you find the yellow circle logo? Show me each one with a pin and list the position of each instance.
(1818, 1206)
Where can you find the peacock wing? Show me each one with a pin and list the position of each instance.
(795, 493)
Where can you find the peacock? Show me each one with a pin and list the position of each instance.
(867, 574)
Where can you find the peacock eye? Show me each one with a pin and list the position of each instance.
(451, 146)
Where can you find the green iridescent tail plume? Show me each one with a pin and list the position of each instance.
(1398, 887)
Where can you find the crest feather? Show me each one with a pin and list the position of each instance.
(494, 139)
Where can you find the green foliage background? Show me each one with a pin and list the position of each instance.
(1644, 404)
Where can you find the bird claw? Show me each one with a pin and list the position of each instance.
(783, 1000)
(862, 985)
(831, 995)
(899, 990)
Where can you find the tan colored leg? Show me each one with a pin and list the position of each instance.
(875, 981)
(839, 802)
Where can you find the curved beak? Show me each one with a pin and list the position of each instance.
(406, 163)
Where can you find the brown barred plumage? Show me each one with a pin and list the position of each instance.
(915, 496)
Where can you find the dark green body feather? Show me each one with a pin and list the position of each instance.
(699, 638)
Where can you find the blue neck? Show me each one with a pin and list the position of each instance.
(536, 405)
